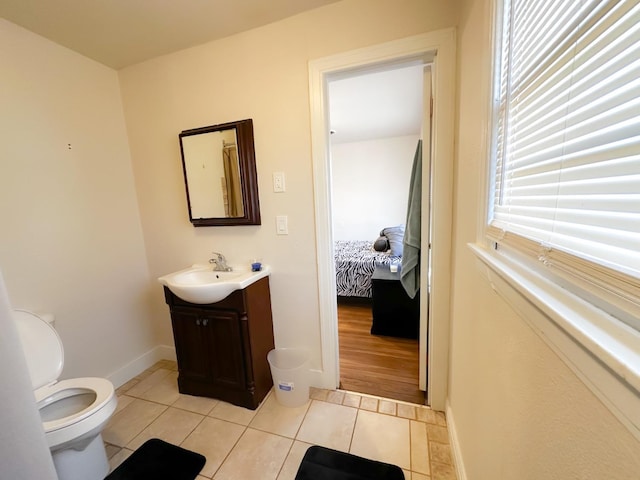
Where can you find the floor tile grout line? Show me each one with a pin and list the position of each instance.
(235, 444)
(155, 383)
(411, 448)
(208, 414)
(376, 397)
(353, 431)
(147, 426)
(420, 419)
(293, 442)
(306, 412)
(377, 412)
(194, 428)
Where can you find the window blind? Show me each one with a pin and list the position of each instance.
(566, 187)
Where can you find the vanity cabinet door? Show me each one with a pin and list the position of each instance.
(192, 345)
(209, 347)
(225, 348)
(222, 348)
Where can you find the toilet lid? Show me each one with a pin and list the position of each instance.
(42, 348)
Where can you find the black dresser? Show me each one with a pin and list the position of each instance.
(395, 314)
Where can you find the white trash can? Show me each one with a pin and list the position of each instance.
(290, 372)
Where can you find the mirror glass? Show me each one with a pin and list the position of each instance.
(220, 174)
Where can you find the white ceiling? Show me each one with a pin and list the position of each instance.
(376, 105)
(119, 33)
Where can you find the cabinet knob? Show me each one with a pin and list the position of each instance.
(205, 322)
(198, 322)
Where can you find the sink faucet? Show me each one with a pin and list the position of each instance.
(220, 263)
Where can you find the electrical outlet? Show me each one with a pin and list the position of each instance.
(278, 182)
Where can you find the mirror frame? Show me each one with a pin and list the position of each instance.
(248, 174)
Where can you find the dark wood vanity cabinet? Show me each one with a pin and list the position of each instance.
(222, 347)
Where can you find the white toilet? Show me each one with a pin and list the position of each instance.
(73, 411)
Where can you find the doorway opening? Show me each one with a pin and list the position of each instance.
(376, 120)
(438, 48)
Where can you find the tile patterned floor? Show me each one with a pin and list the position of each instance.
(269, 443)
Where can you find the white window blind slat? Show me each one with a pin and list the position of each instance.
(620, 86)
(612, 135)
(549, 27)
(547, 229)
(579, 222)
(608, 39)
(567, 136)
(572, 171)
(601, 203)
(613, 159)
(597, 204)
(613, 253)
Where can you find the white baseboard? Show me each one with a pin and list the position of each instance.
(318, 379)
(140, 364)
(455, 446)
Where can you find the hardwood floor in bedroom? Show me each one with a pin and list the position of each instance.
(373, 364)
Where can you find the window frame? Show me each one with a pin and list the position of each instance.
(578, 320)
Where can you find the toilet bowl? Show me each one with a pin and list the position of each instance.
(73, 411)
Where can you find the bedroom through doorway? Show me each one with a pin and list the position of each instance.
(376, 119)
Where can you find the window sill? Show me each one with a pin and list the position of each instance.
(603, 352)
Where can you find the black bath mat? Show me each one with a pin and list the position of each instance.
(159, 460)
(321, 463)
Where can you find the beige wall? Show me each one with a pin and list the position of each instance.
(70, 239)
(520, 413)
(261, 74)
(378, 199)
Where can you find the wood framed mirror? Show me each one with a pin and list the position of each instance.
(220, 176)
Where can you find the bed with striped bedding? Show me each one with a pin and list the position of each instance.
(355, 262)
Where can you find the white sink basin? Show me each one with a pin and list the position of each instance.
(200, 284)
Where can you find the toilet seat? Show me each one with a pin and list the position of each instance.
(70, 409)
(100, 388)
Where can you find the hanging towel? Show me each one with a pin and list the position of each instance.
(410, 273)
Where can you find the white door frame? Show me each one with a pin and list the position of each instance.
(437, 48)
(425, 230)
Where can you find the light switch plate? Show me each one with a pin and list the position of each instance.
(281, 225)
